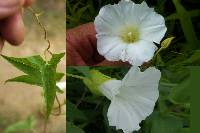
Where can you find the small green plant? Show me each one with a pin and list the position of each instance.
(26, 125)
(40, 72)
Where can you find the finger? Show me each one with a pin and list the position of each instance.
(28, 3)
(114, 63)
(83, 39)
(1, 43)
(12, 29)
(9, 7)
(73, 58)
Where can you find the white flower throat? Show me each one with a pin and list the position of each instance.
(129, 35)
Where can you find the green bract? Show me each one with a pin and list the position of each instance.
(95, 79)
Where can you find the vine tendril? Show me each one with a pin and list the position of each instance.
(36, 15)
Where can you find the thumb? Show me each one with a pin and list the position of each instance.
(12, 29)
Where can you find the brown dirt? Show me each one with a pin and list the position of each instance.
(18, 100)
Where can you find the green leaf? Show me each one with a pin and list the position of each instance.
(194, 59)
(166, 124)
(48, 74)
(37, 60)
(40, 73)
(24, 65)
(59, 76)
(194, 13)
(165, 44)
(26, 79)
(71, 128)
(74, 114)
(186, 24)
(185, 130)
(21, 126)
(34, 81)
(56, 59)
(172, 17)
(181, 92)
(84, 70)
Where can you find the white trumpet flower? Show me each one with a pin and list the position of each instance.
(127, 31)
(132, 99)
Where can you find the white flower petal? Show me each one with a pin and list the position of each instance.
(62, 85)
(121, 115)
(115, 52)
(139, 52)
(110, 47)
(153, 27)
(109, 20)
(135, 77)
(111, 88)
(107, 43)
(134, 100)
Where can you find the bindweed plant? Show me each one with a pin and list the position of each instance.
(40, 72)
(104, 99)
(88, 111)
(26, 125)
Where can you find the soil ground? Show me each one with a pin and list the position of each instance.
(18, 100)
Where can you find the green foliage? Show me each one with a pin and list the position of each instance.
(23, 126)
(74, 114)
(71, 128)
(41, 73)
(186, 24)
(49, 86)
(166, 124)
(181, 93)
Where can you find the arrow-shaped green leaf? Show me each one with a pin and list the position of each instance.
(56, 59)
(49, 86)
(24, 65)
(41, 73)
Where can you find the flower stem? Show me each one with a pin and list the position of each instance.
(75, 76)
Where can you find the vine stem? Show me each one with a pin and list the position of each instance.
(75, 76)
(59, 107)
(47, 50)
(36, 15)
(81, 99)
(45, 127)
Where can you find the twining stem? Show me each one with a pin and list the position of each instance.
(36, 15)
(81, 99)
(45, 127)
(47, 50)
(75, 76)
(59, 107)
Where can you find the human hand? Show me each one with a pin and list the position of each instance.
(82, 48)
(11, 23)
